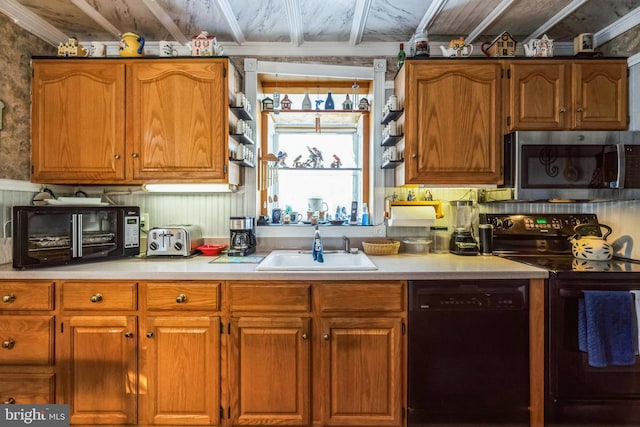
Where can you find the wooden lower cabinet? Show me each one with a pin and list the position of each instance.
(361, 365)
(27, 326)
(270, 375)
(335, 362)
(180, 370)
(98, 368)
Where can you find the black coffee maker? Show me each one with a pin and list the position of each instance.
(243, 235)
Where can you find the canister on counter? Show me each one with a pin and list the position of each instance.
(440, 240)
(485, 232)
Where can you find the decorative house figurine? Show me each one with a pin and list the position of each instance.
(286, 103)
(267, 104)
(205, 45)
(503, 45)
(347, 104)
(72, 48)
(364, 104)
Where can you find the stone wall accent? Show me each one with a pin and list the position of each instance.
(17, 46)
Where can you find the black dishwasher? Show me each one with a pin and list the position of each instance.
(468, 360)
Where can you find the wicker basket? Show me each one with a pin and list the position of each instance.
(381, 247)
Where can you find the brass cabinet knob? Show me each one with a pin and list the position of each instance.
(414, 156)
(134, 155)
(117, 157)
(325, 337)
(128, 334)
(9, 401)
(305, 336)
(181, 298)
(563, 110)
(8, 298)
(580, 109)
(96, 298)
(9, 344)
(149, 334)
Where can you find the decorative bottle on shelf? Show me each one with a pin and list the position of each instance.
(401, 56)
(421, 44)
(306, 102)
(328, 104)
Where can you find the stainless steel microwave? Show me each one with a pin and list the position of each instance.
(52, 235)
(572, 165)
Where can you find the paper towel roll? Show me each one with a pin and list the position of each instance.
(412, 216)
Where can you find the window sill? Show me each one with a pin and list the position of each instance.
(328, 230)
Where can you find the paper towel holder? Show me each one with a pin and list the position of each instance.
(437, 206)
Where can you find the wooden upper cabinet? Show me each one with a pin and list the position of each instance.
(130, 121)
(177, 120)
(600, 94)
(78, 122)
(567, 94)
(453, 132)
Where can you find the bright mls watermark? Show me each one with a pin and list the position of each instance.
(34, 415)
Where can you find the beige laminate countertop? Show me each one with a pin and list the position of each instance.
(390, 267)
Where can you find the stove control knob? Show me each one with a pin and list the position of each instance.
(178, 246)
(496, 222)
(507, 223)
(153, 246)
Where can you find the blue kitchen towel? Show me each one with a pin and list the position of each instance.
(606, 328)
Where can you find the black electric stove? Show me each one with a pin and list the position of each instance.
(543, 240)
(576, 393)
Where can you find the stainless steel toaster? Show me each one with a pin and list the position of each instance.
(175, 240)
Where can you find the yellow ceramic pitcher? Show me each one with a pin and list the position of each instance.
(131, 44)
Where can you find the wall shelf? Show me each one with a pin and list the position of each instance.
(241, 113)
(390, 164)
(391, 140)
(392, 115)
(242, 163)
(241, 138)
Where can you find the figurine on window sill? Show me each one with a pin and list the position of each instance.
(336, 162)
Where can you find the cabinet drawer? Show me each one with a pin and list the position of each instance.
(26, 388)
(26, 340)
(183, 296)
(267, 296)
(36, 295)
(360, 296)
(99, 296)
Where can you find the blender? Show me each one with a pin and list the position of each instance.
(462, 241)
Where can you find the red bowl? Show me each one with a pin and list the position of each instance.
(211, 249)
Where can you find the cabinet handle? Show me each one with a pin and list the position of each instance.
(580, 109)
(9, 298)
(563, 110)
(149, 334)
(117, 157)
(325, 337)
(9, 401)
(181, 298)
(134, 155)
(414, 156)
(128, 334)
(9, 344)
(96, 298)
(305, 336)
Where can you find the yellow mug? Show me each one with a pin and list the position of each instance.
(131, 44)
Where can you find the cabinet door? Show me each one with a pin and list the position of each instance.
(453, 132)
(177, 120)
(538, 95)
(269, 382)
(361, 371)
(180, 370)
(98, 363)
(600, 95)
(78, 122)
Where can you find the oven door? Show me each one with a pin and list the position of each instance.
(579, 393)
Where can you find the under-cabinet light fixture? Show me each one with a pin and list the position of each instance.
(190, 188)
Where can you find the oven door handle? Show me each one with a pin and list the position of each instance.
(620, 175)
(573, 294)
